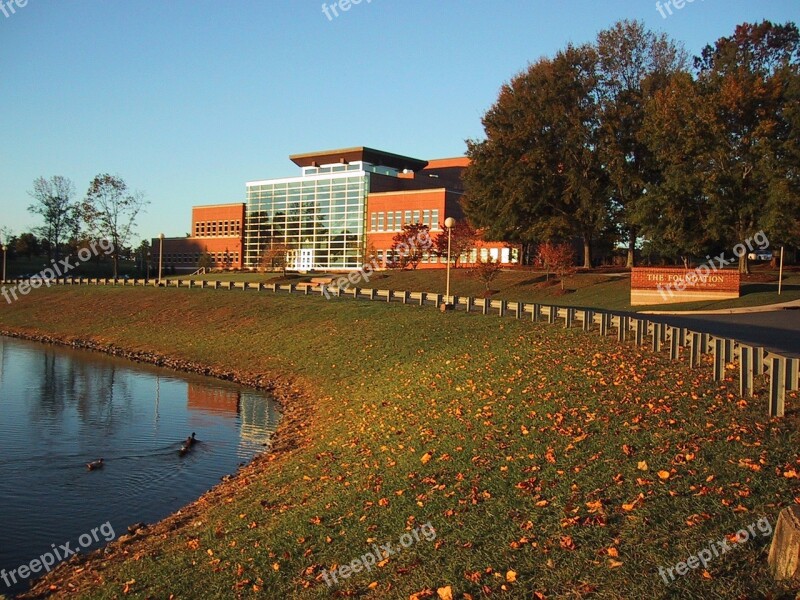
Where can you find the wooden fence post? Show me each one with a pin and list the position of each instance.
(656, 345)
(622, 329)
(588, 319)
(674, 343)
(745, 371)
(718, 348)
(777, 385)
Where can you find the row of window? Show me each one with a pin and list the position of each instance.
(502, 255)
(218, 258)
(216, 228)
(395, 220)
(307, 187)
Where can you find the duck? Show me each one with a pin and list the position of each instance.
(191, 440)
(94, 465)
(184, 450)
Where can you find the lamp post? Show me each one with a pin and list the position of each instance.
(5, 252)
(448, 222)
(160, 256)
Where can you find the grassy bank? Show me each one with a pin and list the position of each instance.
(548, 461)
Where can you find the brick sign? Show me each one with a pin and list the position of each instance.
(668, 286)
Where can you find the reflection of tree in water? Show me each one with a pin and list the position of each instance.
(94, 389)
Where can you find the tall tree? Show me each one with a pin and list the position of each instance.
(53, 200)
(673, 210)
(538, 173)
(110, 209)
(634, 63)
(747, 79)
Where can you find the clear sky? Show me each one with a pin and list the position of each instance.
(189, 99)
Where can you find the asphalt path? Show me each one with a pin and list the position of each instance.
(777, 330)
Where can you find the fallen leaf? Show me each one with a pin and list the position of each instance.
(445, 593)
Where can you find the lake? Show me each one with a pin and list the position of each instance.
(61, 409)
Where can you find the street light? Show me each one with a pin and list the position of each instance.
(5, 252)
(160, 256)
(448, 222)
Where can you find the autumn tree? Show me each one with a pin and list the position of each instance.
(54, 200)
(733, 125)
(409, 245)
(672, 215)
(556, 258)
(462, 239)
(110, 210)
(275, 257)
(538, 173)
(487, 271)
(634, 63)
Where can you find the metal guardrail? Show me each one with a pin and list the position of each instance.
(782, 372)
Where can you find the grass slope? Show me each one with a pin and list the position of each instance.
(549, 462)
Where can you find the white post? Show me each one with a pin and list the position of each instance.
(5, 252)
(780, 274)
(448, 222)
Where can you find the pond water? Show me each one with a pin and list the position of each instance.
(61, 409)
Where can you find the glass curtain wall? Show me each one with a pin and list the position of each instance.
(317, 220)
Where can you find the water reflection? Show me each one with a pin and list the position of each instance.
(60, 409)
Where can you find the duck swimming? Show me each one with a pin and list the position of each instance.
(191, 440)
(94, 465)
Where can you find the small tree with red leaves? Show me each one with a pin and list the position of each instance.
(462, 239)
(556, 258)
(487, 271)
(409, 245)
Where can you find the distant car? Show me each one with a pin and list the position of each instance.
(760, 255)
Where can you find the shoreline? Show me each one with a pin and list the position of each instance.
(70, 577)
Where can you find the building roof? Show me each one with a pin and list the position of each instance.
(360, 153)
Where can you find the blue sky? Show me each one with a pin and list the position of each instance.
(189, 99)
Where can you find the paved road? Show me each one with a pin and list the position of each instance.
(777, 330)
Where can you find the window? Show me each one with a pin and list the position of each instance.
(390, 221)
(426, 218)
(373, 222)
(416, 217)
(398, 220)
(407, 217)
(380, 221)
(435, 218)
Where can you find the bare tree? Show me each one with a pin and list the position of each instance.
(110, 210)
(54, 201)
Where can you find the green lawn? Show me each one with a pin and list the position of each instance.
(547, 460)
(592, 290)
(604, 290)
